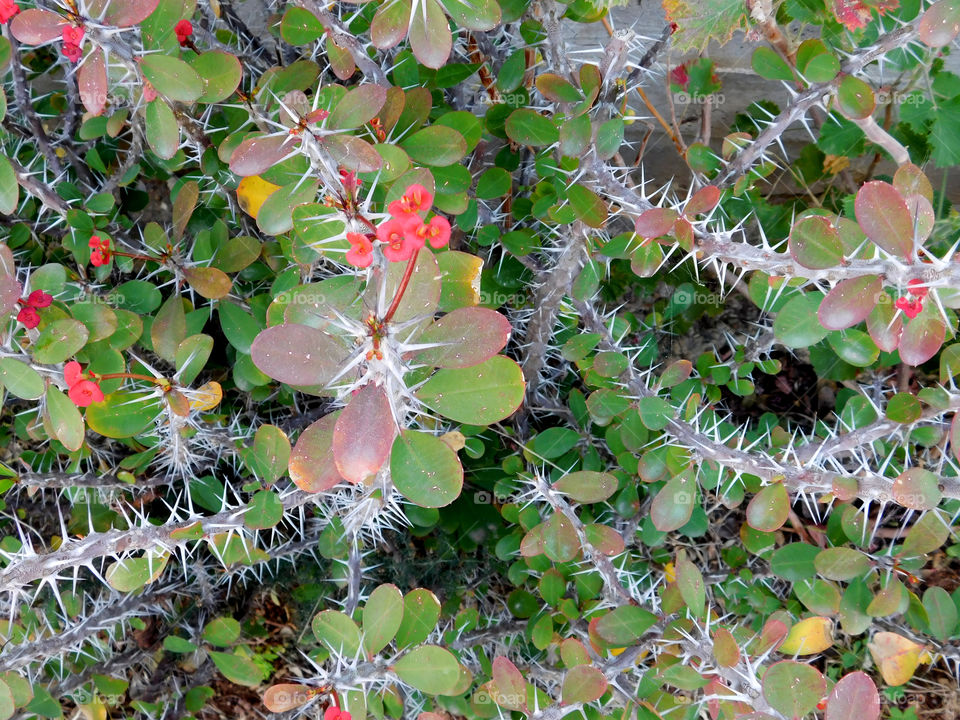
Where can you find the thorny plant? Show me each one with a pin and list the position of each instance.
(383, 314)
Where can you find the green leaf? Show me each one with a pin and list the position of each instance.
(587, 486)
(382, 616)
(797, 325)
(300, 27)
(264, 511)
(815, 243)
(133, 573)
(222, 631)
(436, 145)
(479, 395)
(855, 98)
(122, 414)
(20, 379)
(358, 107)
(338, 632)
(236, 668)
(842, 563)
(793, 688)
(769, 508)
(690, 582)
(941, 613)
(269, 455)
(587, 205)
(172, 77)
(59, 340)
(9, 188)
(673, 505)
(63, 420)
(163, 133)
(583, 684)
(625, 625)
(528, 127)
(220, 73)
(421, 610)
(768, 64)
(425, 470)
(430, 669)
(700, 21)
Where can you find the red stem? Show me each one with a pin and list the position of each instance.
(404, 281)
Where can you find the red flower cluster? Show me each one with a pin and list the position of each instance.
(183, 30)
(83, 392)
(8, 8)
(72, 37)
(36, 300)
(403, 233)
(914, 306)
(680, 77)
(335, 713)
(101, 251)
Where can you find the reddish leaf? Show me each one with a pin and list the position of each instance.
(297, 354)
(703, 201)
(467, 336)
(854, 696)
(885, 324)
(923, 336)
(311, 466)
(510, 686)
(124, 13)
(656, 222)
(35, 27)
(583, 684)
(353, 153)
(850, 302)
(604, 539)
(358, 107)
(389, 25)
(940, 24)
(92, 82)
(364, 434)
(560, 540)
(257, 155)
(429, 34)
(884, 217)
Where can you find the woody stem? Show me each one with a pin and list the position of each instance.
(404, 281)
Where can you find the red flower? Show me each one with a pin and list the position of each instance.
(398, 243)
(101, 251)
(85, 392)
(73, 34)
(916, 288)
(335, 713)
(8, 9)
(911, 308)
(39, 299)
(415, 200)
(350, 180)
(29, 317)
(183, 30)
(72, 52)
(361, 250)
(72, 373)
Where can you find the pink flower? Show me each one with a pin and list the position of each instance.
(398, 246)
(437, 231)
(85, 392)
(39, 299)
(335, 713)
(183, 30)
(72, 373)
(415, 200)
(361, 250)
(29, 317)
(8, 9)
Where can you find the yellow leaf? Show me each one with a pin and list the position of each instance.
(252, 191)
(896, 656)
(670, 572)
(95, 710)
(809, 636)
(206, 397)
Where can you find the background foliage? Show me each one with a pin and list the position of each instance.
(598, 441)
